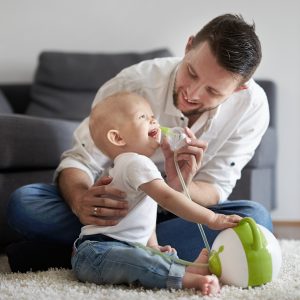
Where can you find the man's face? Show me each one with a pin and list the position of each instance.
(201, 84)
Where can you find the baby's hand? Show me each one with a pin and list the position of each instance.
(221, 221)
(167, 248)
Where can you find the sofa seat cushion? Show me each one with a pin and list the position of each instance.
(65, 83)
(5, 107)
(31, 142)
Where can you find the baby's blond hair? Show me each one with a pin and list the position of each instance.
(109, 113)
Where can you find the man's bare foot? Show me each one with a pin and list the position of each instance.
(208, 284)
(201, 259)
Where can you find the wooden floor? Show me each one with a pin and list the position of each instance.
(287, 229)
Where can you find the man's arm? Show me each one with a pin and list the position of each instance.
(204, 193)
(83, 197)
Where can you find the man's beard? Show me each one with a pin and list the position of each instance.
(194, 112)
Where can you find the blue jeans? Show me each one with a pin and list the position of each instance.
(39, 212)
(102, 260)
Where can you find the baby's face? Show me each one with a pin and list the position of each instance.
(141, 130)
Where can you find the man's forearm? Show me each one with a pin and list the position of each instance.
(72, 183)
(204, 193)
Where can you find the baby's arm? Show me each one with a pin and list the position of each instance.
(180, 205)
(153, 243)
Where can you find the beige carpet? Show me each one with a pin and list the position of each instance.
(61, 284)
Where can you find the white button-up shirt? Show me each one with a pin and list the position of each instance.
(233, 130)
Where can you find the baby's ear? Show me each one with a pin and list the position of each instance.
(115, 138)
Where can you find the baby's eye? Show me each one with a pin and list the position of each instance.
(142, 116)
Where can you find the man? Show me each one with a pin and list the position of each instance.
(210, 90)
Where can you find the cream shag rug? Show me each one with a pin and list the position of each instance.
(61, 284)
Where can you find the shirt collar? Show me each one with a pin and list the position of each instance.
(204, 122)
(170, 108)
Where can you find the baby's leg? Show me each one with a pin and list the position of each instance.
(198, 276)
(201, 259)
(208, 284)
(115, 262)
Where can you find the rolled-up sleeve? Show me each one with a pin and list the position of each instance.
(83, 155)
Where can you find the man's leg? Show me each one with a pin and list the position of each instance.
(185, 236)
(38, 212)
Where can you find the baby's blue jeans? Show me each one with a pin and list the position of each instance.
(101, 260)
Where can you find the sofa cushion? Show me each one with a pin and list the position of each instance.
(5, 107)
(33, 143)
(266, 153)
(65, 83)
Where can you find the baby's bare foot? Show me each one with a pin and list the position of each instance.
(209, 285)
(201, 259)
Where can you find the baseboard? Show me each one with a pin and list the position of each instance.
(286, 223)
(286, 229)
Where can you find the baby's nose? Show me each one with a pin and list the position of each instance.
(153, 120)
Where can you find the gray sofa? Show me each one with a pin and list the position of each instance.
(258, 180)
(37, 121)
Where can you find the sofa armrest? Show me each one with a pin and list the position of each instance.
(271, 91)
(18, 95)
(266, 153)
(32, 142)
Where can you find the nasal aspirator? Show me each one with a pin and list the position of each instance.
(176, 137)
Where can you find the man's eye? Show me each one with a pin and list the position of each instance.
(142, 116)
(212, 92)
(192, 74)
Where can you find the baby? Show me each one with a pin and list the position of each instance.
(123, 127)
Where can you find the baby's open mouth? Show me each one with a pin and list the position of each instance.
(153, 133)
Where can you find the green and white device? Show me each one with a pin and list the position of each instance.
(247, 255)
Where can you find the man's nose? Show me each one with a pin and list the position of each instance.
(195, 91)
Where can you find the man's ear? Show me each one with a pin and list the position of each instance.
(189, 44)
(115, 138)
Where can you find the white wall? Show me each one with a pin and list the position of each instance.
(29, 26)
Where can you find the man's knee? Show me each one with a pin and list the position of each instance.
(16, 204)
(246, 208)
(22, 203)
(260, 214)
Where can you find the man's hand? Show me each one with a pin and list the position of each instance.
(189, 159)
(98, 204)
(101, 204)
